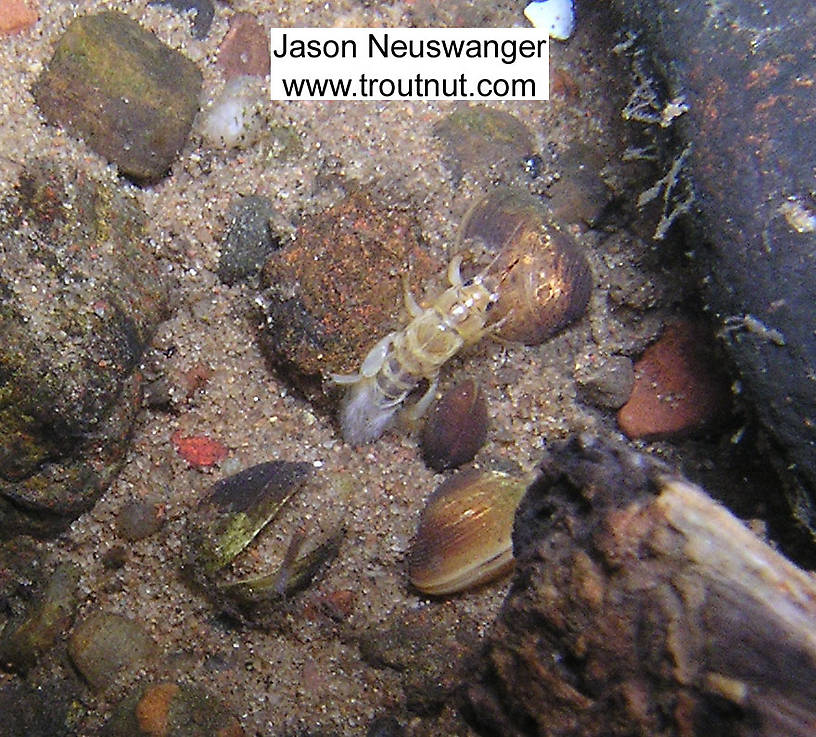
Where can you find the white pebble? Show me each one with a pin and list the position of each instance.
(556, 16)
(235, 119)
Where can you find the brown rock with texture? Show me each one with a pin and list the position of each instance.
(130, 97)
(678, 386)
(336, 290)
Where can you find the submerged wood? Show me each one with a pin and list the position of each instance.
(643, 607)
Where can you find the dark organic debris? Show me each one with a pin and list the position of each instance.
(203, 12)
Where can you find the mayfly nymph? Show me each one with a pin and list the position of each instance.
(402, 359)
(536, 277)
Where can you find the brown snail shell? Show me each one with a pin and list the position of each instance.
(464, 537)
(543, 278)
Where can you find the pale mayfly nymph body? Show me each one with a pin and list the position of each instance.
(401, 360)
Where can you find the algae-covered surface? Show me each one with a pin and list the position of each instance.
(302, 670)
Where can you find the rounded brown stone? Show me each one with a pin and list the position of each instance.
(678, 387)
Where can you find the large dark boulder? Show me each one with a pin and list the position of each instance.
(747, 72)
(80, 295)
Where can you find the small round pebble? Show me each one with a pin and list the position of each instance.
(139, 518)
(608, 383)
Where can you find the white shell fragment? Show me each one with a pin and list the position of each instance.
(235, 119)
(557, 16)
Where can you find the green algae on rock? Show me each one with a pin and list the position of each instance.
(127, 95)
(80, 296)
(48, 615)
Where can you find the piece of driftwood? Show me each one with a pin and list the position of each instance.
(643, 607)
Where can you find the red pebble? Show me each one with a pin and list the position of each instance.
(16, 16)
(678, 386)
(199, 451)
(245, 48)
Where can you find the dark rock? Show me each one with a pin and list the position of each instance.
(116, 86)
(104, 644)
(480, 139)
(385, 727)
(580, 194)
(49, 709)
(203, 13)
(746, 72)
(607, 383)
(49, 615)
(80, 296)
(140, 518)
(172, 710)
(457, 428)
(336, 290)
(426, 654)
(247, 241)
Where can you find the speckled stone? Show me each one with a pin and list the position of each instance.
(82, 293)
(336, 290)
(247, 240)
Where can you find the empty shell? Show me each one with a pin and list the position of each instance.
(544, 280)
(465, 532)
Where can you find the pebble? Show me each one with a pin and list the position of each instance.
(236, 118)
(385, 727)
(245, 48)
(80, 89)
(104, 644)
(606, 382)
(457, 427)
(335, 290)
(48, 615)
(580, 194)
(480, 140)
(203, 13)
(247, 240)
(678, 387)
(139, 518)
(200, 451)
(16, 16)
(556, 16)
(168, 709)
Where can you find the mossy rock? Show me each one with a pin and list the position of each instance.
(80, 296)
(119, 88)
